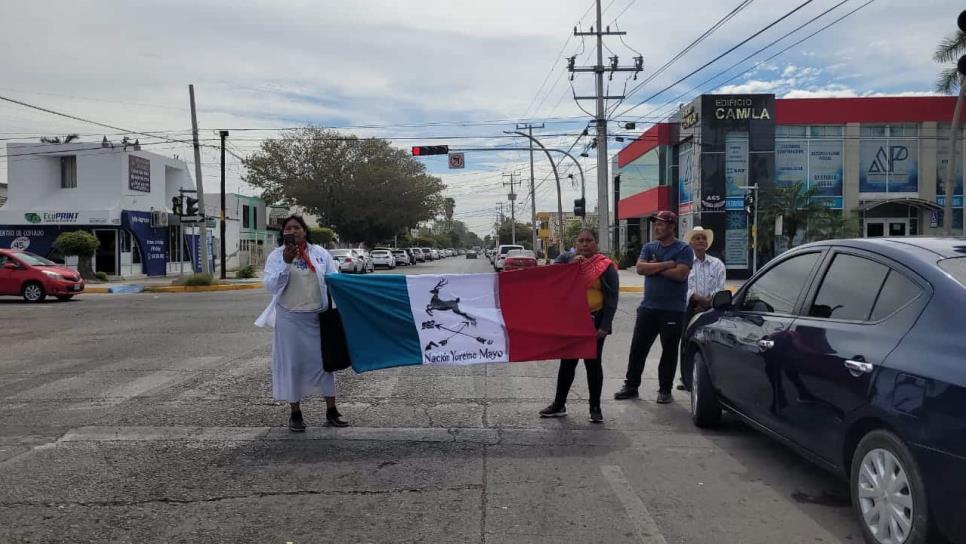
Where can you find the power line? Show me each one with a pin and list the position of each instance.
(759, 63)
(707, 33)
(719, 57)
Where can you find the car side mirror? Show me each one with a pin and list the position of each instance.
(722, 300)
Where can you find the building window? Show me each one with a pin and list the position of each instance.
(874, 131)
(825, 131)
(245, 220)
(254, 217)
(641, 174)
(790, 131)
(68, 172)
(904, 131)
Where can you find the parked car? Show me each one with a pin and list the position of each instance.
(382, 258)
(33, 277)
(418, 254)
(350, 261)
(402, 257)
(851, 352)
(500, 255)
(518, 259)
(435, 254)
(471, 254)
(367, 258)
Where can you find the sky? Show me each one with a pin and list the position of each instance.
(458, 73)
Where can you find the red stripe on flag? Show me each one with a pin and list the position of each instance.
(546, 314)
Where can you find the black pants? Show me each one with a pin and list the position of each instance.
(595, 377)
(687, 365)
(649, 325)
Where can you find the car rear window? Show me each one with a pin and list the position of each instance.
(955, 267)
(507, 249)
(380, 253)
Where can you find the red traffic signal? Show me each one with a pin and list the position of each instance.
(419, 151)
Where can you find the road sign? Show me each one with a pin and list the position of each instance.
(779, 225)
(456, 160)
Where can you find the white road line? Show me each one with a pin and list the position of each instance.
(647, 530)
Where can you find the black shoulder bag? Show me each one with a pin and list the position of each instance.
(335, 349)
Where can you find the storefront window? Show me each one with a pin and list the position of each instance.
(641, 174)
(889, 165)
(687, 174)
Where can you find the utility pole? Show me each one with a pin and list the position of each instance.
(499, 221)
(951, 167)
(202, 227)
(513, 218)
(533, 191)
(224, 274)
(603, 228)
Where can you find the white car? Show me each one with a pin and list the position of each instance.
(435, 254)
(350, 261)
(401, 256)
(500, 255)
(382, 258)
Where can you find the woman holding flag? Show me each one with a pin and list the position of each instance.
(295, 275)
(600, 278)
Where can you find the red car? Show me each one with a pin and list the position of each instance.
(33, 277)
(519, 258)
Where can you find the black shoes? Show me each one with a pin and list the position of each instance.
(664, 397)
(295, 423)
(596, 416)
(554, 410)
(626, 392)
(682, 387)
(334, 418)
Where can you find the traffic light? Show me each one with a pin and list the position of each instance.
(580, 207)
(749, 203)
(191, 207)
(421, 150)
(177, 205)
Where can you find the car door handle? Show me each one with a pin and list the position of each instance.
(861, 367)
(766, 344)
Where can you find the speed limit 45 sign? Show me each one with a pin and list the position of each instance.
(456, 160)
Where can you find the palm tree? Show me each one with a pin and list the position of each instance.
(58, 140)
(949, 50)
(798, 208)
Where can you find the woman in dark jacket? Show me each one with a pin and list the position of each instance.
(600, 274)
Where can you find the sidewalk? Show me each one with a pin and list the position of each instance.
(166, 285)
(631, 282)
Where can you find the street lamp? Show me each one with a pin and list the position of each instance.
(754, 226)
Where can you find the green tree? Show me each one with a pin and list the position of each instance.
(798, 208)
(364, 188)
(323, 236)
(571, 230)
(82, 244)
(524, 234)
(948, 51)
(834, 224)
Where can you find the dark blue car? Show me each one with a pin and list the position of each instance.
(853, 352)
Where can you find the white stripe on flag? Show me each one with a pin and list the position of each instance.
(458, 318)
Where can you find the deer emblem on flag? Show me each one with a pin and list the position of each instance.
(437, 304)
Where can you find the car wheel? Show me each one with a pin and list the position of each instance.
(33, 292)
(888, 494)
(705, 407)
(65, 297)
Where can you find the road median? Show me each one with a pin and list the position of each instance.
(129, 289)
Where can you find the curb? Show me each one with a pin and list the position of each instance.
(183, 288)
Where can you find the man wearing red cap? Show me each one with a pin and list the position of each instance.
(665, 264)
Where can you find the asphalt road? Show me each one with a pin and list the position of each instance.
(149, 418)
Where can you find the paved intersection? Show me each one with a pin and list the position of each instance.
(148, 418)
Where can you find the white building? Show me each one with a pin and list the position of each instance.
(247, 238)
(122, 195)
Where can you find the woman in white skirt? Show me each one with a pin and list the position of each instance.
(295, 275)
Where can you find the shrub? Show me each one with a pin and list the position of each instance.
(245, 272)
(199, 279)
(101, 276)
(80, 243)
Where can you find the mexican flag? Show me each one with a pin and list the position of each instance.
(462, 319)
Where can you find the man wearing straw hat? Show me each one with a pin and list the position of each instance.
(707, 277)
